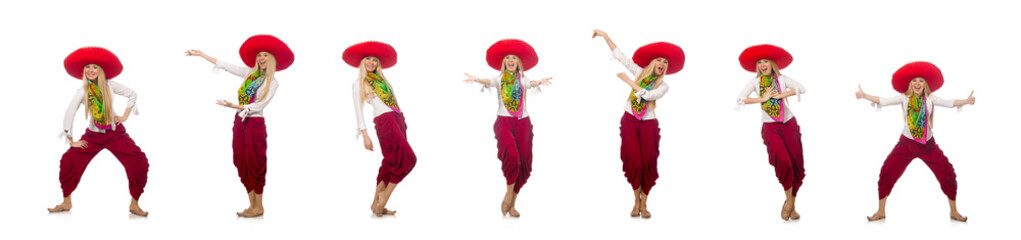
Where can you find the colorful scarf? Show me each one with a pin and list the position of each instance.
(512, 93)
(638, 105)
(97, 106)
(383, 91)
(773, 107)
(917, 118)
(246, 94)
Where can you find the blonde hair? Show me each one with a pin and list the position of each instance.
(271, 69)
(772, 65)
(503, 67)
(650, 70)
(104, 89)
(362, 73)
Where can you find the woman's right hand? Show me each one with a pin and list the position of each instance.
(859, 94)
(599, 33)
(471, 79)
(80, 144)
(193, 52)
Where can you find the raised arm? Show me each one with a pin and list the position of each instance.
(600, 33)
(194, 52)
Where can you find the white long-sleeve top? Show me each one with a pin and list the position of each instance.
(378, 107)
(79, 100)
(929, 102)
(786, 84)
(252, 109)
(501, 110)
(652, 95)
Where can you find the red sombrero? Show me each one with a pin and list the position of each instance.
(913, 70)
(354, 54)
(765, 51)
(75, 63)
(673, 54)
(266, 43)
(502, 48)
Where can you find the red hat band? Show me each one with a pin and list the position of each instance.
(753, 54)
(926, 70)
(266, 43)
(386, 54)
(521, 49)
(672, 53)
(75, 63)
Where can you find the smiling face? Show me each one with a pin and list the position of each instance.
(262, 59)
(92, 71)
(511, 63)
(765, 67)
(370, 63)
(917, 86)
(659, 65)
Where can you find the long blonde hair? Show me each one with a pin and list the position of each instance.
(925, 92)
(104, 89)
(363, 84)
(271, 69)
(650, 70)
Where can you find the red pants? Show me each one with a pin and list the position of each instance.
(514, 148)
(907, 150)
(74, 161)
(639, 150)
(250, 152)
(398, 158)
(783, 144)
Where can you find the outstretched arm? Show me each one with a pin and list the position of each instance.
(473, 79)
(600, 33)
(969, 100)
(540, 82)
(194, 52)
(861, 94)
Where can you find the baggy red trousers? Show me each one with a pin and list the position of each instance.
(250, 152)
(906, 151)
(514, 148)
(398, 158)
(783, 144)
(639, 150)
(74, 161)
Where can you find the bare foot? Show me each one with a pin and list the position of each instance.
(138, 211)
(878, 216)
(645, 212)
(785, 211)
(251, 212)
(635, 212)
(958, 217)
(795, 215)
(63, 207)
(514, 212)
(504, 208)
(378, 210)
(389, 212)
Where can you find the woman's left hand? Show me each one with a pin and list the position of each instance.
(121, 119)
(225, 103)
(545, 81)
(971, 98)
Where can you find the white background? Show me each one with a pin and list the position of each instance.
(715, 179)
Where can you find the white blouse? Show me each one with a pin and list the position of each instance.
(786, 84)
(652, 95)
(79, 100)
(501, 110)
(252, 109)
(378, 107)
(929, 102)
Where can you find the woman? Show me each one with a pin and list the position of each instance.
(96, 66)
(639, 128)
(513, 127)
(780, 130)
(372, 87)
(916, 82)
(264, 55)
